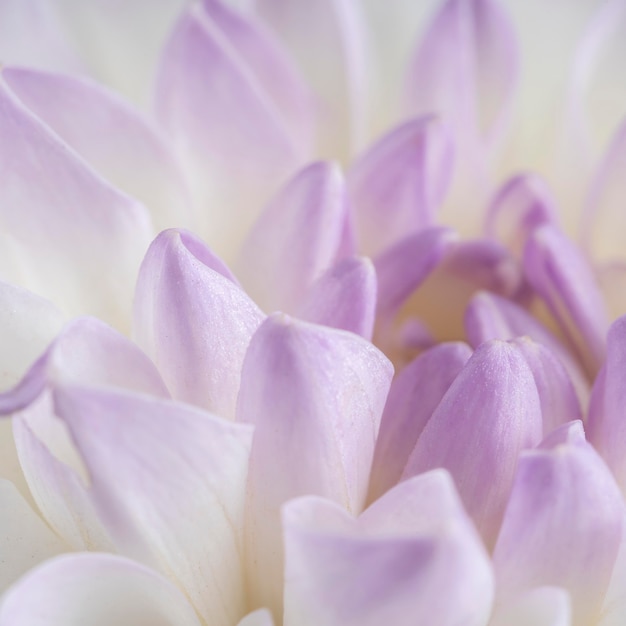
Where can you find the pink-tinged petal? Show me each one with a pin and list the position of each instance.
(95, 590)
(612, 280)
(193, 321)
(563, 525)
(488, 415)
(560, 274)
(414, 395)
(603, 218)
(261, 617)
(158, 471)
(607, 427)
(139, 30)
(489, 316)
(466, 68)
(32, 33)
(327, 41)
(397, 186)
(25, 540)
(403, 268)
(344, 297)
(223, 126)
(557, 395)
(315, 396)
(521, 205)
(413, 557)
(296, 239)
(542, 606)
(75, 230)
(113, 138)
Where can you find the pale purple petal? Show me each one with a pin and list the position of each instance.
(25, 539)
(315, 396)
(155, 500)
(75, 230)
(494, 411)
(95, 590)
(542, 606)
(413, 557)
(344, 297)
(560, 274)
(327, 41)
(193, 321)
(607, 426)
(563, 525)
(612, 280)
(113, 138)
(397, 186)
(297, 238)
(414, 395)
(224, 127)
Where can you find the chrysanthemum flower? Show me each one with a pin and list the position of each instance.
(310, 313)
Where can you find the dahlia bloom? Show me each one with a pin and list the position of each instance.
(312, 313)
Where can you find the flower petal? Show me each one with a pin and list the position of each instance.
(296, 238)
(563, 525)
(113, 138)
(318, 438)
(261, 617)
(415, 393)
(399, 183)
(344, 297)
(542, 606)
(488, 415)
(193, 321)
(559, 273)
(413, 557)
(94, 590)
(25, 540)
(69, 222)
(223, 126)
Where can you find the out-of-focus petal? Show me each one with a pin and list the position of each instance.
(224, 127)
(412, 557)
(326, 39)
(542, 606)
(296, 238)
(95, 590)
(612, 280)
(74, 229)
(563, 524)
(560, 274)
(158, 471)
(344, 297)
(113, 138)
(414, 394)
(399, 183)
(25, 540)
(315, 396)
(261, 617)
(488, 415)
(194, 321)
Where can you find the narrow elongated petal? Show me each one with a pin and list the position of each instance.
(158, 472)
(563, 525)
(559, 273)
(494, 411)
(74, 229)
(414, 395)
(397, 186)
(193, 321)
(337, 69)
(113, 138)
(95, 590)
(606, 410)
(412, 557)
(542, 606)
(344, 297)
(296, 238)
(315, 396)
(224, 127)
(25, 540)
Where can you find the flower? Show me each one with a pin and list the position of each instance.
(388, 390)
